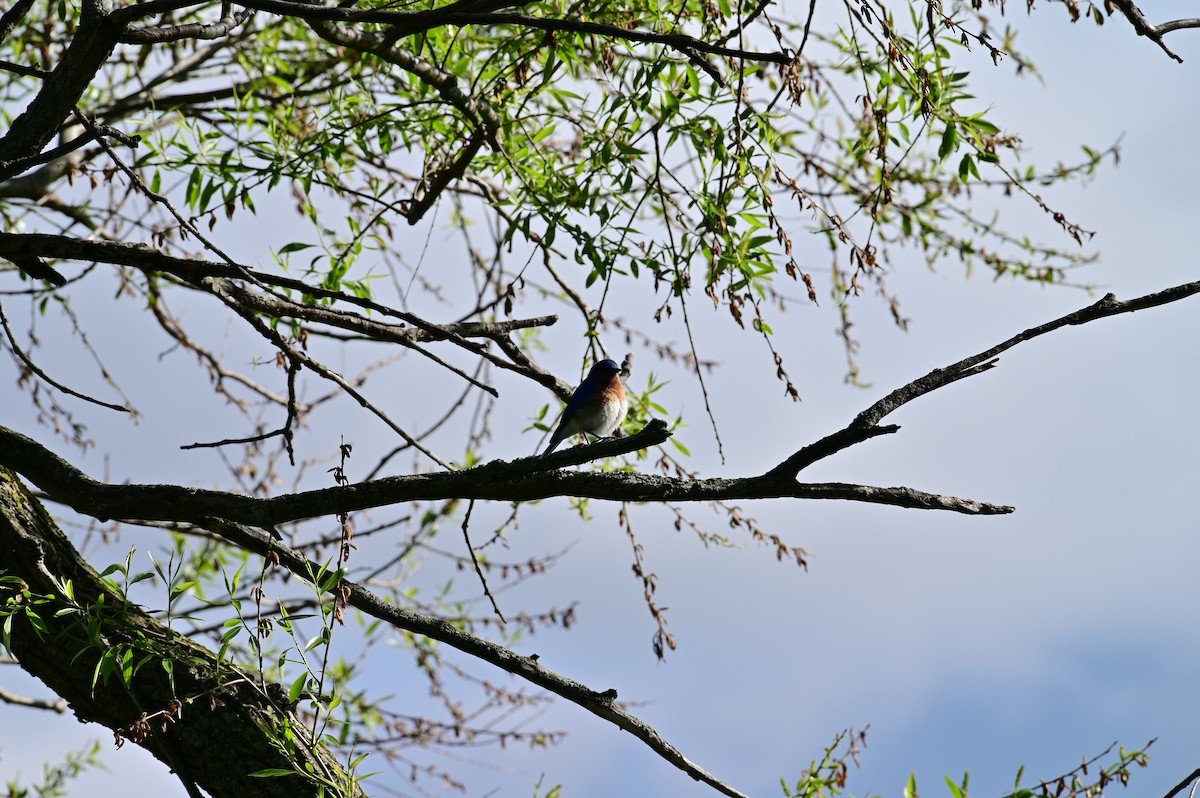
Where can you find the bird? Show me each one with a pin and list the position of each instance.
(598, 406)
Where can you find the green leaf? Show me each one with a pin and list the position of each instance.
(271, 773)
(297, 688)
(966, 167)
(949, 141)
(192, 196)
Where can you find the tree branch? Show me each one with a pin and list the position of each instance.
(55, 705)
(195, 272)
(215, 30)
(676, 41)
(408, 23)
(90, 47)
(521, 481)
(1178, 788)
(1153, 32)
(13, 16)
(866, 424)
(598, 703)
(24, 358)
(498, 480)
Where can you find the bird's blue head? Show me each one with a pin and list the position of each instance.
(605, 368)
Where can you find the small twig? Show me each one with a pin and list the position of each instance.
(58, 705)
(222, 292)
(812, 11)
(293, 413)
(234, 441)
(687, 321)
(475, 560)
(54, 153)
(12, 341)
(741, 26)
(662, 639)
(93, 126)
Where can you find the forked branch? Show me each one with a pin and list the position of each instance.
(1151, 31)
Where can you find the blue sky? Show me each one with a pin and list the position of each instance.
(966, 643)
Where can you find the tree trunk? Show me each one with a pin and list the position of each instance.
(213, 727)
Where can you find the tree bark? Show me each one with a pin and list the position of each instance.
(213, 727)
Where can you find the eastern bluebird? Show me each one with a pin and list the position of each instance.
(598, 405)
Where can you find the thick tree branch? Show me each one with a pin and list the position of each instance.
(90, 47)
(408, 23)
(13, 16)
(518, 481)
(498, 480)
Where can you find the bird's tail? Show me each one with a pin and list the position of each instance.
(555, 440)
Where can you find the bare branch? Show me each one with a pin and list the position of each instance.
(466, 525)
(1177, 24)
(519, 481)
(1178, 788)
(222, 27)
(57, 705)
(1153, 32)
(866, 424)
(20, 353)
(221, 289)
